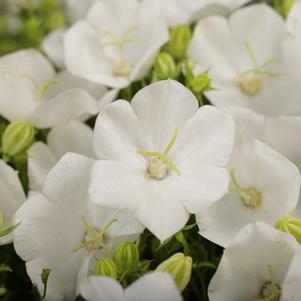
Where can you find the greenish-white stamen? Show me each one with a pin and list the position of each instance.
(270, 291)
(250, 81)
(250, 197)
(121, 66)
(94, 238)
(160, 164)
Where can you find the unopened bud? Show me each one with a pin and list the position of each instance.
(180, 37)
(200, 83)
(290, 225)
(17, 137)
(106, 268)
(126, 258)
(165, 66)
(179, 267)
(283, 6)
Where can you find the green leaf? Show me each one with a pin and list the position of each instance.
(44, 276)
(5, 268)
(189, 227)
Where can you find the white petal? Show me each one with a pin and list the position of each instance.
(198, 186)
(72, 104)
(84, 56)
(73, 136)
(53, 47)
(163, 215)
(293, 19)
(161, 108)
(102, 289)
(207, 139)
(34, 64)
(40, 160)
(46, 238)
(68, 180)
(12, 196)
(153, 287)
(116, 134)
(122, 186)
(16, 103)
(107, 98)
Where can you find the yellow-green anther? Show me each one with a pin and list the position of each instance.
(43, 89)
(94, 238)
(160, 163)
(250, 197)
(180, 37)
(290, 225)
(165, 67)
(126, 258)
(106, 268)
(270, 291)
(17, 137)
(179, 267)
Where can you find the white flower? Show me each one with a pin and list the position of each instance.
(60, 228)
(155, 286)
(115, 53)
(28, 92)
(265, 186)
(245, 60)
(161, 157)
(260, 264)
(74, 136)
(11, 198)
(179, 12)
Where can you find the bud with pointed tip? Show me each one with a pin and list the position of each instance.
(17, 137)
(200, 83)
(126, 257)
(283, 6)
(106, 268)
(180, 37)
(290, 225)
(179, 267)
(165, 67)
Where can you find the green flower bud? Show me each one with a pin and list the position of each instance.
(165, 67)
(126, 257)
(106, 268)
(180, 37)
(283, 6)
(17, 137)
(179, 267)
(290, 225)
(200, 83)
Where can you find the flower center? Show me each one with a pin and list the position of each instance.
(41, 90)
(250, 197)
(94, 238)
(250, 81)
(121, 67)
(160, 164)
(270, 291)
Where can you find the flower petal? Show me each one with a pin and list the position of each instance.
(153, 286)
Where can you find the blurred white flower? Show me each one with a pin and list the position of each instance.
(11, 198)
(260, 264)
(265, 186)
(154, 286)
(294, 18)
(115, 53)
(27, 92)
(245, 60)
(161, 157)
(60, 228)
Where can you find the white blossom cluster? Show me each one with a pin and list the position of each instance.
(155, 161)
